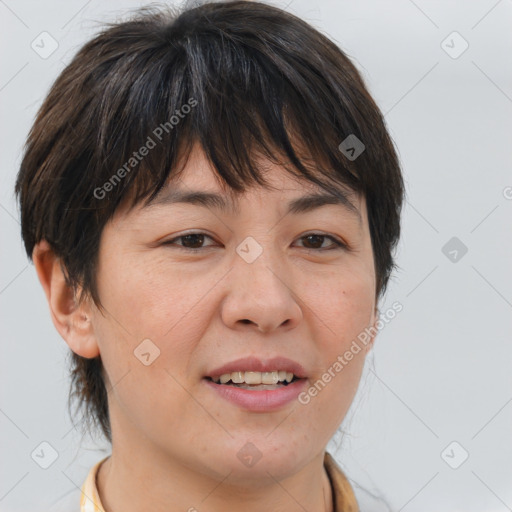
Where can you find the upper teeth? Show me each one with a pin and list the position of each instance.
(255, 377)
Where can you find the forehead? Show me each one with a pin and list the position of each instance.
(199, 184)
(195, 181)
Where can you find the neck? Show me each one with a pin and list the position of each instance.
(130, 484)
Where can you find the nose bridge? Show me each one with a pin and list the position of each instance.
(258, 262)
(259, 291)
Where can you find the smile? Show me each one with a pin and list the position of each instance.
(251, 378)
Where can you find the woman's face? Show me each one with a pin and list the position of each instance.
(256, 286)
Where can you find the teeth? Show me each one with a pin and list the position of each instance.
(270, 377)
(237, 377)
(224, 378)
(255, 378)
(252, 377)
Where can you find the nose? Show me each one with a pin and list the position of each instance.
(260, 294)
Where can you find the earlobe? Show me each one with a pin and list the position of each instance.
(72, 321)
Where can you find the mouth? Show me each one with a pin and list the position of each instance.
(258, 385)
(255, 381)
(257, 396)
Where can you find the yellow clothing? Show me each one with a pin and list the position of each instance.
(343, 498)
(342, 494)
(90, 499)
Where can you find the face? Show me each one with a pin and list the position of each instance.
(259, 283)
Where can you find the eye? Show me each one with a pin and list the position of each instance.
(192, 242)
(317, 238)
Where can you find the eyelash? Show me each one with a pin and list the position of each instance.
(337, 244)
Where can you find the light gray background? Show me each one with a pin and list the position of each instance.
(441, 369)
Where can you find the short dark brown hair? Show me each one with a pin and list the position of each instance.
(253, 78)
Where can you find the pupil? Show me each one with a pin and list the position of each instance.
(185, 237)
(315, 236)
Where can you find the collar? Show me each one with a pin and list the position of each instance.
(343, 498)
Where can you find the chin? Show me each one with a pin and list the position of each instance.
(259, 458)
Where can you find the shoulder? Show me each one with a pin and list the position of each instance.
(343, 495)
(75, 501)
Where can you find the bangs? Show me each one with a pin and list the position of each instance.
(233, 97)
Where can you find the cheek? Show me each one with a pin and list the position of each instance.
(145, 303)
(148, 317)
(153, 300)
(342, 304)
(338, 323)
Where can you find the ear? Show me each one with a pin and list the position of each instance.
(73, 322)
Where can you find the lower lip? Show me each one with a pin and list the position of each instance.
(259, 400)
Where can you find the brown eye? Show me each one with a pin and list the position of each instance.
(315, 241)
(191, 241)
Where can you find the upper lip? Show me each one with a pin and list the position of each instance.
(253, 364)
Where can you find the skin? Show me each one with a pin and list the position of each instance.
(175, 441)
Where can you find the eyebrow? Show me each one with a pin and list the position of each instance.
(300, 205)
